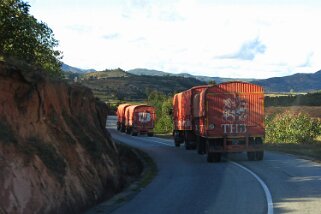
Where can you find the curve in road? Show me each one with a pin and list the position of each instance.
(186, 183)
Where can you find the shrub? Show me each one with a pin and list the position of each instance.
(24, 38)
(288, 127)
(163, 106)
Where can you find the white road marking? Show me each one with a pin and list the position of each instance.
(264, 186)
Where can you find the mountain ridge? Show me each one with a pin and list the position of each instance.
(68, 68)
(148, 72)
(299, 82)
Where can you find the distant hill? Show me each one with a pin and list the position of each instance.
(300, 82)
(107, 74)
(147, 72)
(68, 68)
(297, 83)
(134, 87)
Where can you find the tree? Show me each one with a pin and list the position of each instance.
(212, 82)
(22, 37)
(163, 105)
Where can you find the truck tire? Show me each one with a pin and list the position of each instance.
(259, 155)
(200, 146)
(177, 143)
(210, 157)
(188, 145)
(128, 130)
(251, 156)
(150, 134)
(217, 157)
(213, 157)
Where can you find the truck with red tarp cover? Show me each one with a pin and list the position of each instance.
(121, 116)
(228, 117)
(183, 118)
(140, 119)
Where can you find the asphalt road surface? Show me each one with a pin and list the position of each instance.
(186, 183)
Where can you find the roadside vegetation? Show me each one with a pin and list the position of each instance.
(294, 132)
(26, 42)
(289, 127)
(163, 106)
(308, 99)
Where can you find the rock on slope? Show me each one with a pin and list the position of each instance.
(54, 153)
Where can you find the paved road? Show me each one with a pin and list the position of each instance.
(186, 183)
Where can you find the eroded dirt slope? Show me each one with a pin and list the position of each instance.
(55, 154)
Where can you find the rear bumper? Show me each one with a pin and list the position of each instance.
(230, 145)
(235, 148)
(143, 130)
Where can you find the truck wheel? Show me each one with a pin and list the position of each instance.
(210, 157)
(177, 143)
(201, 148)
(217, 157)
(150, 134)
(251, 156)
(213, 157)
(187, 145)
(259, 155)
(134, 133)
(129, 130)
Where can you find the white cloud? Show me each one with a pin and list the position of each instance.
(255, 39)
(247, 51)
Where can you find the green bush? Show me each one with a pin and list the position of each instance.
(24, 38)
(309, 99)
(288, 127)
(163, 106)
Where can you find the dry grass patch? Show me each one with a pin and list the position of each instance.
(311, 151)
(312, 111)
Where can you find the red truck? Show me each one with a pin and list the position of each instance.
(183, 118)
(224, 118)
(140, 119)
(121, 116)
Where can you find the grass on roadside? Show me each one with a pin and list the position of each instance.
(151, 171)
(312, 151)
(150, 168)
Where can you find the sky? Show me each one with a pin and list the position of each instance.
(221, 38)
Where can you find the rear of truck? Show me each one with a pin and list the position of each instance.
(121, 116)
(141, 119)
(183, 117)
(231, 119)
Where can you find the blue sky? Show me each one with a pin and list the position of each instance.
(226, 38)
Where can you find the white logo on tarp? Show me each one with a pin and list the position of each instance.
(185, 123)
(144, 117)
(235, 109)
(234, 113)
